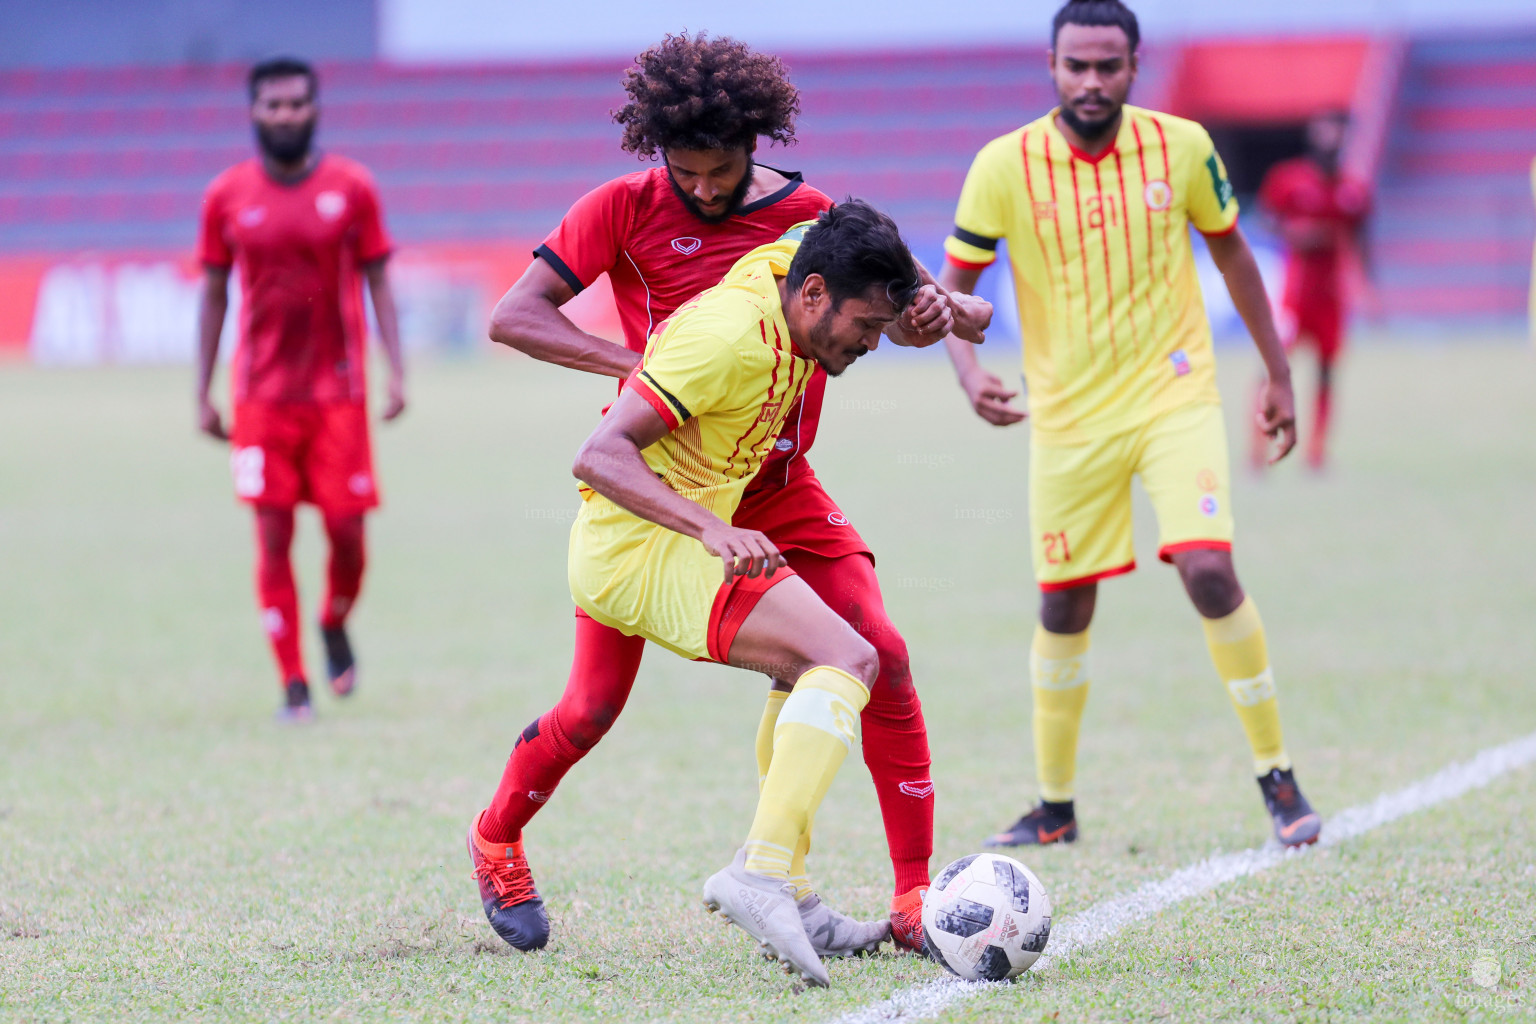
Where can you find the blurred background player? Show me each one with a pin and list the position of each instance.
(1318, 211)
(1095, 200)
(666, 469)
(662, 236)
(305, 229)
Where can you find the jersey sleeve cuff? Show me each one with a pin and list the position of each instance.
(671, 411)
(568, 275)
(967, 256)
(1220, 231)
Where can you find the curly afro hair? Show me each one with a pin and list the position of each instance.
(693, 92)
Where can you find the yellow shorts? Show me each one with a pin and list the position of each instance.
(1080, 495)
(646, 580)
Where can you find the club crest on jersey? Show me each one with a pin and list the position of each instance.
(251, 216)
(330, 204)
(687, 246)
(1045, 210)
(1205, 480)
(1158, 194)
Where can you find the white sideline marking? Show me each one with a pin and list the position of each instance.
(1105, 920)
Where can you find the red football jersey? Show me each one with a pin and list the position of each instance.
(1299, 191)
(300, 247)
(658, 255)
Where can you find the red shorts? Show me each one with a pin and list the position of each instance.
(734, 601)
(285, 453)
(801, 516)
(1319, 322)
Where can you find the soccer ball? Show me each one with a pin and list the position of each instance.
(986, 918)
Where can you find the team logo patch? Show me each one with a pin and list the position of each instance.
(251, 216)
(921, 790)
(686, 246)
(1209, 506)
(360, 483)
(1205, 480)
(1158, 194)
(1180, 361)
(330, 205)
(1045, 210)
(837, 519)
(783, 444)
(540, 797)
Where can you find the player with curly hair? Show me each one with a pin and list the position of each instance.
(663, 235)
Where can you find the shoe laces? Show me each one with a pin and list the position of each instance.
(509, 876)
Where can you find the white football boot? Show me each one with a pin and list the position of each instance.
(835, 934)
(765, 908)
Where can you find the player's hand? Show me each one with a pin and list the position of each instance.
(1277, 416)
(208, 420)
(927, 320)
(396, 403)
(992, 401)
(973, 315)
(742, 552)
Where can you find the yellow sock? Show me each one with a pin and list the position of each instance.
(817, 726)
(1242, 660)
(765, 728)
(1058, 670)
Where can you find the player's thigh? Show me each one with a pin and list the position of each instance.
(789, 630)
(1080, 510)
(266, 446)
(1184, 467)
(338, 463)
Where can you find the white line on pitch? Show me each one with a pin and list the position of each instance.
(1105, 920)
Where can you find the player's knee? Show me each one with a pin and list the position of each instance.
(586, 722)
(1068, 611)
(894, 680)
(1213, 589)
(862, 662)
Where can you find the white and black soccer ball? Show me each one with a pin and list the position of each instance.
(986, 918)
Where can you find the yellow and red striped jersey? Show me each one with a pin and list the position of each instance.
(1109, 304)
(723, 374)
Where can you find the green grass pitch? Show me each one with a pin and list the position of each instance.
(168, 853)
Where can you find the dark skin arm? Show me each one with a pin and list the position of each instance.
(212, 304)
(991, 400)
(528, 318)
(610, 463)
(389, 333)
(1277, 403)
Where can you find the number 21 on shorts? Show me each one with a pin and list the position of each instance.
(1056, 549)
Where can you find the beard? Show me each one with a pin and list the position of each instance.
(285, 145)
(733, 202)
(821, 335)
(1089, 130)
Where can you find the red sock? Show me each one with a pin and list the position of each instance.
(603, 672)
(1317, 445)
(344, 571)
(275, 590)
(895, 735)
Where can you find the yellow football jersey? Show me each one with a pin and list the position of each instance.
(723, 373)
(1109, 304)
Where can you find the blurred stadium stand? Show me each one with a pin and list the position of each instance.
(485, 159)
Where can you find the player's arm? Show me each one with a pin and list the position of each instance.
(384, 311)
(528, 318)
(610, 463)
(992, 401)
(213, 303)
(1277, 403)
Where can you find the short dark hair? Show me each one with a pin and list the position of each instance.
(855, 247)
(1097, 12)
(694, 92)
(282, 67)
